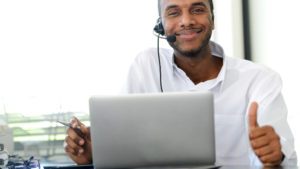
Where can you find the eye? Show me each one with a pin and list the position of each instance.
(198, 10)
(173, 13)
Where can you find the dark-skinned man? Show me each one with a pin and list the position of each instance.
(250, 112)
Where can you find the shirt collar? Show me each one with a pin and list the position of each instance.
(216, 50)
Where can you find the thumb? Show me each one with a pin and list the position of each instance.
(253, 116)
(75, 122)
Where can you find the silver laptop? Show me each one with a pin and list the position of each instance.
(153, 130)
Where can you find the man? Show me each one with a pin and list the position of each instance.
(250, 113)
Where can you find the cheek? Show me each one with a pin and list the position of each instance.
(169, 28)
(205, 21)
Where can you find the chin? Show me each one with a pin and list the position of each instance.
(188, 50)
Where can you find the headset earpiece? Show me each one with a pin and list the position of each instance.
(159, 28)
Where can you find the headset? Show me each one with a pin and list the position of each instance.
(159, 32)
(159, 29)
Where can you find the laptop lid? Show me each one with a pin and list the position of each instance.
(150, 130)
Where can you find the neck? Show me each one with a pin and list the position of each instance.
(201, 67)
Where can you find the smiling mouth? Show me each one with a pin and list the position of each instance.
(188, 34)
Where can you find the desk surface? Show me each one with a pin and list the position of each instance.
(257, 167)
(223, 167)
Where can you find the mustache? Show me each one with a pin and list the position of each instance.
(188, 30)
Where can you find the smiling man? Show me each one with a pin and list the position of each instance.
(250, 112)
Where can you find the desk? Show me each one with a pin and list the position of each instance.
(223, 167)
(55, 164)
(257, 167)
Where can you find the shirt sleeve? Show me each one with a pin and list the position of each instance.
(272, 111)
(133, 83)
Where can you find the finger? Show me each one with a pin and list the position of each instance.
(262, 131)
(260, 142)
(271, 158)
(68, 149)
(264, 151)
(253, 116)
(74, 136)
(75, 122)
(85, 129)
(72, 147)
(275, 164)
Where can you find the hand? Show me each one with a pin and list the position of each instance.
(264, 141)
(79, 149)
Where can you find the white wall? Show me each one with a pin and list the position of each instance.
(229, 27)
(74, 47)
(71, 47)
(275, 42)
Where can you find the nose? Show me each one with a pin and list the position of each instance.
(187, 20)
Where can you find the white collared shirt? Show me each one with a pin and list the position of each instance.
(238, 84)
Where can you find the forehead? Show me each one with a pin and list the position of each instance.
(181, 3)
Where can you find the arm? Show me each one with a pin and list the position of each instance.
(268, 127)
(133, 82)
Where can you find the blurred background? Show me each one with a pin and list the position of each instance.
(55, 54)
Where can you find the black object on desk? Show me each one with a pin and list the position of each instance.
(19, 162)
(1, 147)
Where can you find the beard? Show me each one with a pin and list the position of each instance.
(193, 52)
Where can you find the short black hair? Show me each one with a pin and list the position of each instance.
(211, 8)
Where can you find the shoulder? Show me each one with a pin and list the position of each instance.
(261, 82)
(249, 67)
(149, 56)
(253, 76)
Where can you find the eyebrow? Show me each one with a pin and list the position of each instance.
(194, 4)
(199, 4)
(170, 7)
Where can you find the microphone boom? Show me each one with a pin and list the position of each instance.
(171, 38)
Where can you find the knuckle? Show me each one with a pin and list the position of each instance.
(263, 159)
(76, 140)
(69, 149)
(276, 137)
(77, 149)
(252, 134)
(67, 139)
(68, 130)
(276, 140)
(268, 128)
(257, 152)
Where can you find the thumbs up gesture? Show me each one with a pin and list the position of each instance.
(264, 141)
